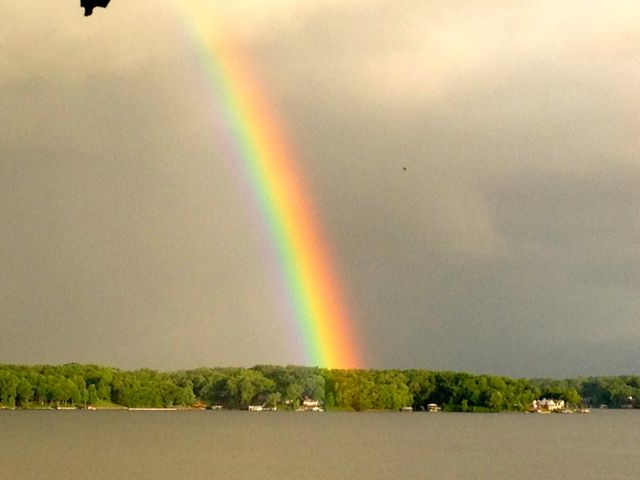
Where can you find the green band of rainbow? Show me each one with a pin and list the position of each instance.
(269, 162)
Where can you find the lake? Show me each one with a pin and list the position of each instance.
(195, 445)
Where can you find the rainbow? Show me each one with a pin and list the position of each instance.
(269, 164)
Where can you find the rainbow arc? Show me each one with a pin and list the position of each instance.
(270, 165)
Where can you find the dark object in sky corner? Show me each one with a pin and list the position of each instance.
(89, 5)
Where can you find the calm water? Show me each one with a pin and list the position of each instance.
(320, 446)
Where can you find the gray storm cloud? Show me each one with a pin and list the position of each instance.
(474, 165)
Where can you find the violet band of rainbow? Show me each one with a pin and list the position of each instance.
(270, 166)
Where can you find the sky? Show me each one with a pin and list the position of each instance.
(474, 164)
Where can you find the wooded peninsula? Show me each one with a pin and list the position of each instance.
(288, 387)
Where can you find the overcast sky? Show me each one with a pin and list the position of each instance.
(509, 245)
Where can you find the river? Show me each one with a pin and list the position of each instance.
(225, 445)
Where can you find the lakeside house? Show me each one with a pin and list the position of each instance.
(310, 405)
(547, 405)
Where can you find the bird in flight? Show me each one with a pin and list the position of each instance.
(89, 5)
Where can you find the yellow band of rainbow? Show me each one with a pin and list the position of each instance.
(269, 162)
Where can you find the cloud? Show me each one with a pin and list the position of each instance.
(407, 52)
(64, 46)
(474, 165)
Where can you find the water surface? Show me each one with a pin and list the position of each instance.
(198, 445)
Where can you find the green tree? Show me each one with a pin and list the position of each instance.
(247, 387)
(24, 392)
(92, 394)
(9, 382)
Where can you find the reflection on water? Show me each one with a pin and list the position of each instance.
(241, 445)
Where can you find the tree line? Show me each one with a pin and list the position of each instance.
(286, 387)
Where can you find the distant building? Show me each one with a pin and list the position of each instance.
(310, 405)
(547, 405)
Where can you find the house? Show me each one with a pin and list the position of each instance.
(547, 405)
(309, 405)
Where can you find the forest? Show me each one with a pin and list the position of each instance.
(286, 387)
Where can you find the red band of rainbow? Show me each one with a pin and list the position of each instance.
(270, 164)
